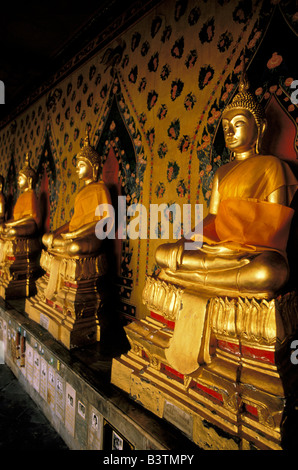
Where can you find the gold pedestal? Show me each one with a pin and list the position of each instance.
(19, 267)
(68, 298)
(239, 394)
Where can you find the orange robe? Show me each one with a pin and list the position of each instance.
(245, 219)
(27, 206)
(87, 200)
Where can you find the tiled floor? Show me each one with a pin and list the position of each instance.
(22, 425)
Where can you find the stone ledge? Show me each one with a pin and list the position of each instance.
(85, 374)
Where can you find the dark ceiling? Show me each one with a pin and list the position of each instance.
(37, 38)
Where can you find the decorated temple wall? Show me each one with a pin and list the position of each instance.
(155, 95)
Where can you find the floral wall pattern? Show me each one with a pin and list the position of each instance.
(171, 73)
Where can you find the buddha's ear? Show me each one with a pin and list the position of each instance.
(95, 171)
(264, 127)
(262, 130)
(30, 181)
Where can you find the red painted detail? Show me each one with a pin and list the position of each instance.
(208, 390)
(259, 354)
(11, 258)
(172, 373)
(59, 308)
(169, 323)
(229, 347)
(49, 302)
(251, 409)
(144, 355)
(70, 284)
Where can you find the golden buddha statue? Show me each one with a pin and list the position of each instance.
(19, 242)
(78, 237)
(214, 345)
(68, 297)
(26, 216)
(246, 231)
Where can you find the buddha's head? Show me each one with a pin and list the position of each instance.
(27, 176)
(244, 121)
(88, 161)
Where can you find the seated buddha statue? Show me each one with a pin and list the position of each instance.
(214, 345)
(26, 215)
(19, 239)
(77, 237)
(69, 294)
(246, 231)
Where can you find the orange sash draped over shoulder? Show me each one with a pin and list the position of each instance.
(256, 178)
(245, 220)
(250, 224)
(87, 200)
(27, 206)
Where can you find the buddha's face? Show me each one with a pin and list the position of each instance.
(22, 181)
(240, 130)
(84, 170)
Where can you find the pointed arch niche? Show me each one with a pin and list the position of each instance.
(46, 186)
(10, 188)
(281, 136)
(118, 170)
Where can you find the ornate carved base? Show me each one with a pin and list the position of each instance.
(68, 298)
(19, 267)
(245, 387)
